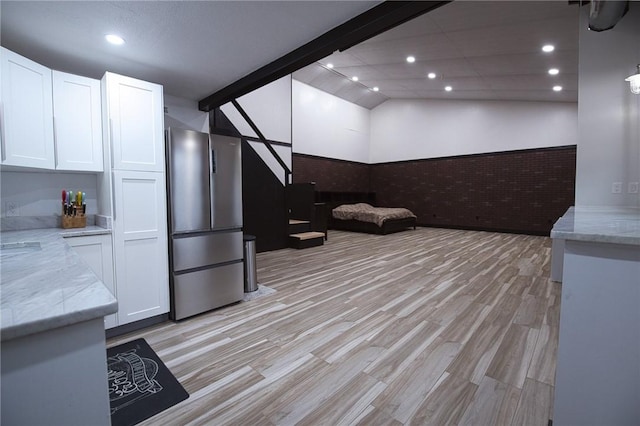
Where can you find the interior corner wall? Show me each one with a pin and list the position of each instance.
(407, 129)
(608, 113)
(327, 126)
(184, 114)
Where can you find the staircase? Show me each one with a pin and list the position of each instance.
(301, 236)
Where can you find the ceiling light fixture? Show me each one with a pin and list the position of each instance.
(634, 82)
(557, 88)
(411, 59)
(330, 65)
(431, 75)
(375, 89)
(114, 39)
(548, 48)
(448, 88)
(354, 78)
(554, 71)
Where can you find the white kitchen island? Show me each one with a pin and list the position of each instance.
(53, 368)
(598, 369)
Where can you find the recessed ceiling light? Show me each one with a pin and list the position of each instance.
(557, 88)
(411, 59)
(548, 48)
(354, 78)
(554, 71)
(114, 39)
(431, 75)
(448, 88)
(329, 65)
(375, 89)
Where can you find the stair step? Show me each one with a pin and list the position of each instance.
(306, 240)
(308, 235)
(297, 222)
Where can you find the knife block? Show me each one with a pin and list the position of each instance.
(77, 221)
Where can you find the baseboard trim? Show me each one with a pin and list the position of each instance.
(478, 228)
(135, 326)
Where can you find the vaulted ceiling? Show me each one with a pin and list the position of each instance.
(482, 50)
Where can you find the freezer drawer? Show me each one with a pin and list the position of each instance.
(208, 249)
(201, 291)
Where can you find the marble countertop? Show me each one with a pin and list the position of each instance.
(46, 284)
(615, 225)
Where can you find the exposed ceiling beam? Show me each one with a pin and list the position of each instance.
(364, 26)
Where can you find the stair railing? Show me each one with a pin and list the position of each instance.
(243, 113)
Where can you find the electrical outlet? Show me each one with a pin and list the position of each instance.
(632, 188)
(616, 188)
(11, 209)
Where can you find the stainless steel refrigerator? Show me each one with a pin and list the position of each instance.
(204, 189)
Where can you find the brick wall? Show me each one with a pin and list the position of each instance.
(516, 191)
(330, 174)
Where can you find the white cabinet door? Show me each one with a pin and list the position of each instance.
(135, 115)
(97, 251)
(27, 112)
(77, 122)
(140, 238)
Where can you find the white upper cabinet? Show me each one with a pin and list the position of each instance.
(135, 120)
(26, 112)
(77, 122)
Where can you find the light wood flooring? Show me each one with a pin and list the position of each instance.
(428, 326)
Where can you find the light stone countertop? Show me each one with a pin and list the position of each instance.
(45, 284)
(614, 225)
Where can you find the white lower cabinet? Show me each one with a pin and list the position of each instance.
(140, 245)
(97, 251)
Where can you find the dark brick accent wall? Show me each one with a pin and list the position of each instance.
(517, 191)
(330, 174)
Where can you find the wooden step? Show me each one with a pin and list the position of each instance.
(297, 226)
(306, 239)
(308, 235)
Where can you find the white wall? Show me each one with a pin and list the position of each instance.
(269, 107)
(404, 129)
(327, 126)
(39, 194)
(608, 113)
(184, 114)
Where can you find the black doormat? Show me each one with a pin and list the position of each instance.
(140, 385)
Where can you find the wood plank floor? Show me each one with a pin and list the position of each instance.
(427, 326)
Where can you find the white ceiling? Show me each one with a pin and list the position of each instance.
(484, 50)
(193, 48)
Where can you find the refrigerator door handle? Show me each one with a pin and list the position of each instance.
(212, 182)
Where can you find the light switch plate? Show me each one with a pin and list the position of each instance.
(632, 188)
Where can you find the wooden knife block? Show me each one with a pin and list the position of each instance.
(77, 221)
